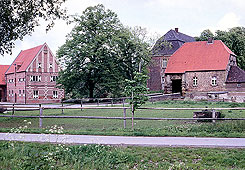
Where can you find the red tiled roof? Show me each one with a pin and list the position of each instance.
(3, 69)
(24, 59)
(199, 56)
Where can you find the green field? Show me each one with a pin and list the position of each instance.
(141, 127)
(17, 155)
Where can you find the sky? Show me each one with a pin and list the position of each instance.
(157, 16)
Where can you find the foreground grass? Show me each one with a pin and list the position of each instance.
(15, 155)
(141, 128)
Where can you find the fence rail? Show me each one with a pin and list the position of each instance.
(124, 118)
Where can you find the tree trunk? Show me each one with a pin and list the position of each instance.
(91, 90)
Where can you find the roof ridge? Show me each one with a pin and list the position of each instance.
(26, 57)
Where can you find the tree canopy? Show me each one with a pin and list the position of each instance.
(99, 54)
(234, 39)
(19, 18)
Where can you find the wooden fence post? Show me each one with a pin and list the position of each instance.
(124, 117)
(81, 104)
(13, 110)
(132, 111)
(41, 113)
(213, 115)
(62, 105)
(112, 102)
(123, 101)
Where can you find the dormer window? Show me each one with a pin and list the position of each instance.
(39, 65)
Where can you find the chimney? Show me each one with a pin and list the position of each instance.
(210, 40)
(177, 30)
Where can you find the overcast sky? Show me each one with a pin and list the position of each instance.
(190, 16)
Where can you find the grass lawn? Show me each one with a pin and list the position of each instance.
(17, 155)
(141, 127)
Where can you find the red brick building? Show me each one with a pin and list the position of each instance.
(3, 85)
(31, 78)
(161, 52)
(205, 70)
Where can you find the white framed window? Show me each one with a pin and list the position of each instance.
(35, 94)
(35, 78)
(164, 63)
(163, 80)
(39, 78)
(19, 92)
(50, 65)
(23, 92)
(195, 81)
(11, 80)
(53, 78)
(55, 94)
(39, 65)
(12, 92)
(9, 93)
(214, 81)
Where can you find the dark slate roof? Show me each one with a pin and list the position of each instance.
(236, 75)
(176, 40)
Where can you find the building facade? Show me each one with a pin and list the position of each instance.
(205, 70)
(31, 78)
(3, 85)
(161, 53)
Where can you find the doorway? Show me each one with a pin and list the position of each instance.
(176, 86)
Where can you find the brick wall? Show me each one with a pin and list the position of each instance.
(156, 73)
(204, 79)
(20, 87)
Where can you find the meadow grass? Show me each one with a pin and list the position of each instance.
(18, 155)
(141, 127)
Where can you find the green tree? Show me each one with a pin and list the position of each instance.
(136, 90)
(19, 17)
(234, 39)
(99, 54)
(205, 35)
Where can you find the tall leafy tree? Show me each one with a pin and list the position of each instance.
(205, 35)
(99, 55)
(19, 18)
(234, 39)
